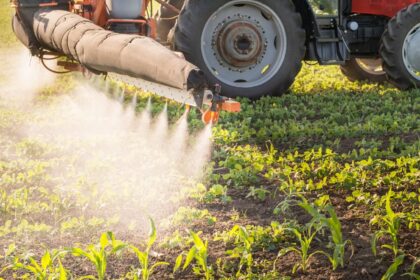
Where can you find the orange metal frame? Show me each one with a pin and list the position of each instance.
(99, 16)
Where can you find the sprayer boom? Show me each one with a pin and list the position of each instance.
(192, 98)
(210, 103)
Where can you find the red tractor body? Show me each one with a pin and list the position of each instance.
(387, 8)
(253, 48)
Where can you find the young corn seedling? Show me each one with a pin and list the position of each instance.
(49, 268)
(333, 224)
(393, 268)
(199, 253)
(412, 274)
(98, 254)
(305, 239)
(390, 226)
(145, 269)
(338, 242)
(243, 249)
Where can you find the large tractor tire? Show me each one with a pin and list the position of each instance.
(361, 69)
(251, 48)
(166, 19)
(400, 49)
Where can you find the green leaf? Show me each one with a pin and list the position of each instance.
(178, 262)
(285, 251)
(393, 268)
(190, 257)
(295, 268)
(88, 277)
(152, 234)
(197, 240)
(412, 275)
(62, 271)
(104, 241)
(154, 266)
(46, 260)
(375, 238)
(36, 265)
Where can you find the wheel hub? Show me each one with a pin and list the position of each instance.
(413, 50)
(239, 43)
(244, 43)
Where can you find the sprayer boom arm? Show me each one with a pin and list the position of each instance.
(191, 98)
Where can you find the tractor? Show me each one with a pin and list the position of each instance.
(256, 47)
(249, 48)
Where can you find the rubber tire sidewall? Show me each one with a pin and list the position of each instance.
(392, 46)
(188, 33)
(164, 25)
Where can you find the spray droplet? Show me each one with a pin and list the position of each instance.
(134, 101)
(149, 105)
(122, 95)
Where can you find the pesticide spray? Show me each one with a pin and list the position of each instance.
(112, 160)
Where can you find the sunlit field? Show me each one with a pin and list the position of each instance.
(99, 180)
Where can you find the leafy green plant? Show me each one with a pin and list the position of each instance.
(338, 244)
(186, 216)
(412, 273)
(389, 226)
(146, 269)
(305, 238)
(393, 268)
(98, 254)
(259, 193)
(49, 267)
(199, 253)
(242, 250)
(216, 192)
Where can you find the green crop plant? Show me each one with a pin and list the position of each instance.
(338, 242)
(98, 254)
(146, 269)
(412, 274)
(49, 267)
(393, 268)
(305, 238)
(215, 193)
(186, 216)
(334, 226)
(389, 226)
(243, 249)
(258, 193)
(199, 253)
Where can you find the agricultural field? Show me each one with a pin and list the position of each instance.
(103, 181)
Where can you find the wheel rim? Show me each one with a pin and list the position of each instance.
(411, 52)
(371, 65)
(244, 43)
